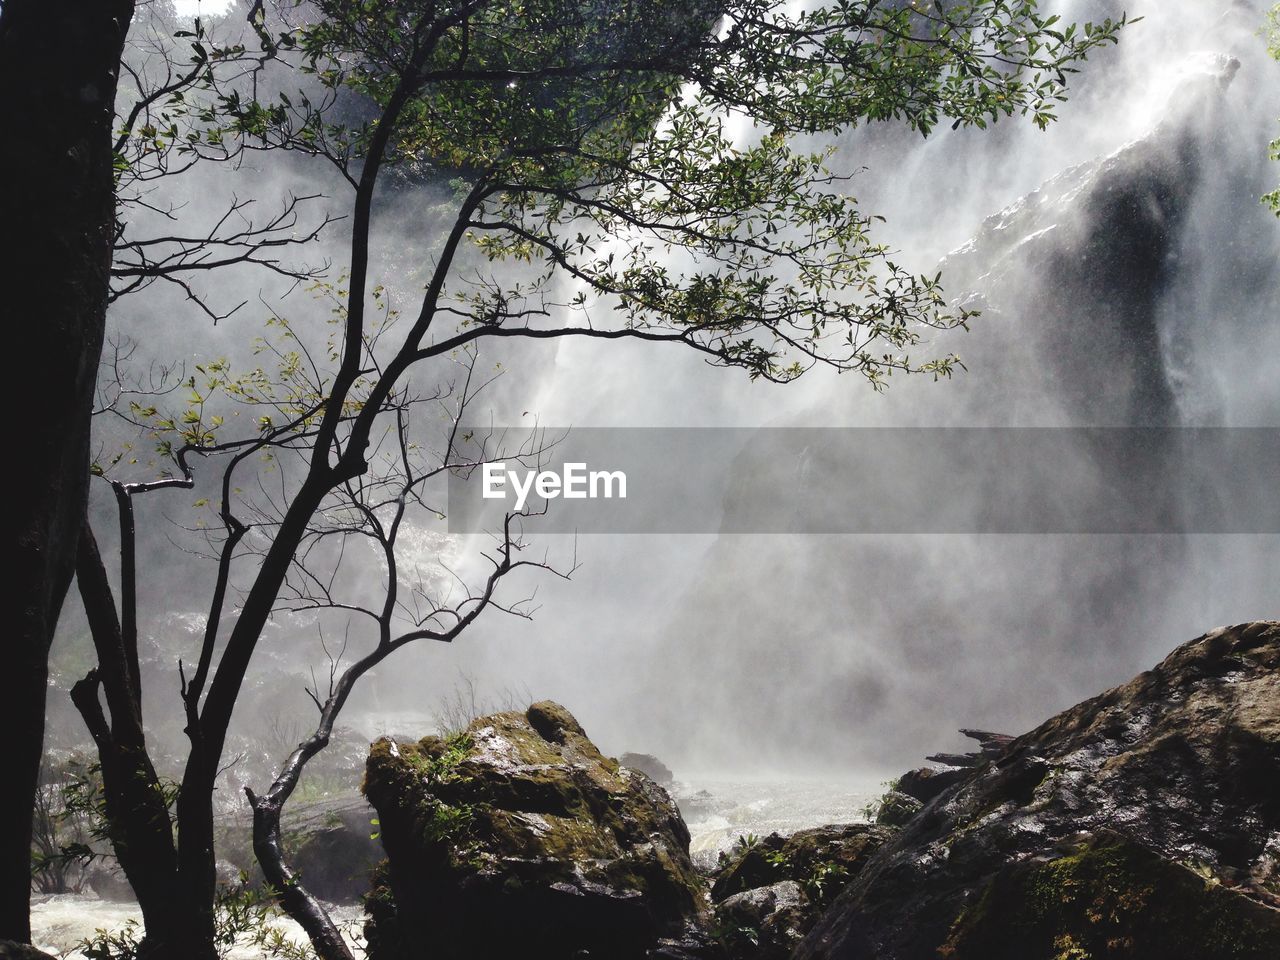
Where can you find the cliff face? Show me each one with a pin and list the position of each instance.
(1082, 265)
(1099, 307)
(1143, 823)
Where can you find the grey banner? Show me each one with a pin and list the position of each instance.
(873, 480)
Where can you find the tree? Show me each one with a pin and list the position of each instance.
(66, 202)
(590, 146)
(59, 62)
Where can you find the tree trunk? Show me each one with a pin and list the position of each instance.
(59, 61)
(137, 811)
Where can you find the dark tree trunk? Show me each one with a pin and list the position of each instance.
(58, 67)
(137, 810)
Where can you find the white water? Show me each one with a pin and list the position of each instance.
(720, 808)
(60, 923)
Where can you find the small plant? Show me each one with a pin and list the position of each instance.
(732, 934)
(871, 809)
(777, 860)
(824, 880)
(440, 822)
(244, 918)
(62, 831)
(119, 944)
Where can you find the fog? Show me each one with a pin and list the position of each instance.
(850, 657)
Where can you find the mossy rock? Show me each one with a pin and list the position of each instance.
(896, 809)
(1169, 778)
(837, 851)
(519, 836)
(1111, 898)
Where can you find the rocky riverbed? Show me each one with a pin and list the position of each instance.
(1143, 823)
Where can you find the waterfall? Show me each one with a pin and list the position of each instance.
(1127, 274)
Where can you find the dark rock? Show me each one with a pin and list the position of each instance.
(326, 840)
(1097, 247)
(836, 852)
(926, 783)
(758, 865)
(698, 804)
(330, 847)
(896, 809)
(20, 951)
(519, 838)
(771, 892)
(1150, 907)
(765, 923)
(956, 759)
(1144, 823)
(107, 880)
(229, 876)
(993, 744)
(650, 765)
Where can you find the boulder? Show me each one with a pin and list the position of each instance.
(822, 859)
(770, 891)
(765, 923)
(650, 765)
(896, 809)
(927, 782)
(330, 847)
(1144, 823)
(519, 838)
(20, 951)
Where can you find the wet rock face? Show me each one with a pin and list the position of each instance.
(1144, 823)
(1089, 257)
(519, 838)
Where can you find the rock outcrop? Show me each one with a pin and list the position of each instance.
(651, 766)
(1144, 823)
(519, 838)
(769, 892)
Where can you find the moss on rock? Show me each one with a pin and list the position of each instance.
(1109, 897)
(520, 835)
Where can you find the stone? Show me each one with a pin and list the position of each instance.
(519, 838)
(20, 951)
(1143, 823)
(765, 923)
(648, 764)
(897, 809)
(837, 851)
(927, 782)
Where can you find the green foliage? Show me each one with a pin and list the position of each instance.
(871, 809)
(603, 141)
(441, 823)
(738, 938)
(825, 880)
(63, 830)
(244, 917)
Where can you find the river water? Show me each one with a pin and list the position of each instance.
(718, 809)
